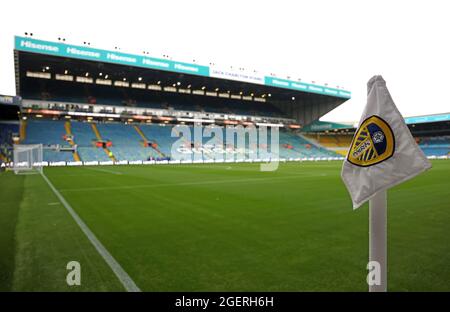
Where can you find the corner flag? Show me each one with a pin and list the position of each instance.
(383, 152)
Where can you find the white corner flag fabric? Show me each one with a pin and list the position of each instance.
(383, 152)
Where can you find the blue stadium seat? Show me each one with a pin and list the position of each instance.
(48, 132)
(435, 146)
(126, 142)
(85, 138)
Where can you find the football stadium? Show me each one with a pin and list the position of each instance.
(107, 160)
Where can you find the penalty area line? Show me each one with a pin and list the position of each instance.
(120, 273)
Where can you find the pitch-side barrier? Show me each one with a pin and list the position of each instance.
(185, 162)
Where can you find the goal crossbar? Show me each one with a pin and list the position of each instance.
(28, 158)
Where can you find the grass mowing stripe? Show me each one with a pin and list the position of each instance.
(275, 235)
(11, 190)
(104, 170)
(106, 188)
(123, 276)
(47, 238)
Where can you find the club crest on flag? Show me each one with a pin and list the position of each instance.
(372, 144)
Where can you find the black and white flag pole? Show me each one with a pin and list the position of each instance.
(383, 153)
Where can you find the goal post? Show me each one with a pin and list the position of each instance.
(28, 158)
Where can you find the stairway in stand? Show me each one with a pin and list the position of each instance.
(68, 128)
(23, 130)
(99, 138)
(146, 141)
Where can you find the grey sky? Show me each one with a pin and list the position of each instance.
(339, 42)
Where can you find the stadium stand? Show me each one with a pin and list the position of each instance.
(88, 94)
(70, 139)
(133, 142)
(161, 136)
(49, 133)
(126, 142)
(302, 147)
(85, 138)
(7, 130)
(435, 146)
(83, 109)
(338, 143)
(143, 141)
(113, 111)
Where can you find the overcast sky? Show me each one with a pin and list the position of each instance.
(338, 42)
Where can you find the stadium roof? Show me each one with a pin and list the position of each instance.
(144, 61)
(65, 63)
(427, 118)
(318, 126)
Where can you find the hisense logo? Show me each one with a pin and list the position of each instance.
(120, 58)
(280, 83)
(79, 52)
(330, 91)
(150, 62)
(320, 127)
(315, 88)
(186, 68)
(298, 86)
(38, 46)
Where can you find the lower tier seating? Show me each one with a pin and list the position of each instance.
(148, 141)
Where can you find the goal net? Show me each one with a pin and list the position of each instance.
(28, 158)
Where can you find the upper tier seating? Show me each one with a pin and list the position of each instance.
(97, 94)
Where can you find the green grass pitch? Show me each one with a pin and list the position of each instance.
(219, 227)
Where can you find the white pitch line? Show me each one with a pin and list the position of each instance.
(123, 276)
(122, 187)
